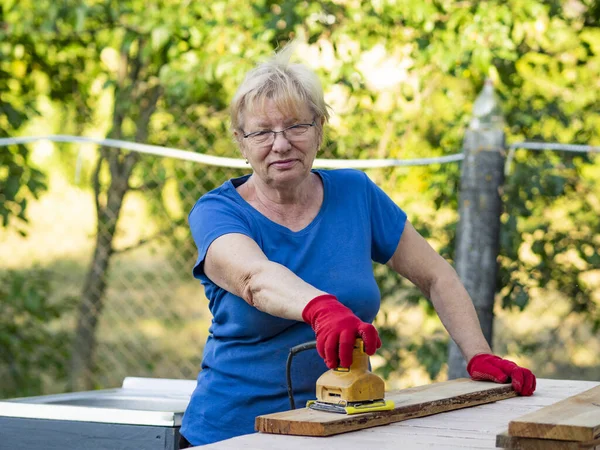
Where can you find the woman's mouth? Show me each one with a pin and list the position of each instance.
(284, 163)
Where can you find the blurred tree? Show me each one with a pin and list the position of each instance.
(401, 77)
(81, 44)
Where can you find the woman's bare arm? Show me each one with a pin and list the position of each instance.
(236, 263)
(418, 262)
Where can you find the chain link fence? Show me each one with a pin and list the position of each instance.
(149, 316)
(143, 311)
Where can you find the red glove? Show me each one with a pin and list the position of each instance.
(493, 368)
(337, 328)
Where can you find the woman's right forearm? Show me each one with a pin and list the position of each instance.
(276, 290)
(235, 263)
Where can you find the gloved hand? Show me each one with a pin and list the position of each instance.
(337, 328)
(493, 368)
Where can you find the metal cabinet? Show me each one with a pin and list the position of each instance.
(145, 413)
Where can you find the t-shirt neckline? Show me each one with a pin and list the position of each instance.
(231, 184)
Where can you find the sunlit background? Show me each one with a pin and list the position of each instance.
(401, 78)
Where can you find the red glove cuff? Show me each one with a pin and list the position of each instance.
(312, 308)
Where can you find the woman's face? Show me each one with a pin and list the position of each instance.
(287, 160)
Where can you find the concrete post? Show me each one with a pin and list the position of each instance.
(478, 235)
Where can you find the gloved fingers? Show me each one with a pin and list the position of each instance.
(331, 347)
(378, 341)
(523, 381)
(488, 372)
(517, 380)
(347, 340)
(506, 366)
(321, 346)
(370, 337)
(532, 385)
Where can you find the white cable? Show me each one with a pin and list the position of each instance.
(324, 163)
(545, 146)
(229, 162)
(133, 146)
(556, 146)
(378, 163)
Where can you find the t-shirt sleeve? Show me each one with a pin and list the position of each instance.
(387, 223)
(211, 217)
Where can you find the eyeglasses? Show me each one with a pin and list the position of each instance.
(267, 137)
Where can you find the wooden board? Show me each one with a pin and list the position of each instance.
(503, 440)
(410, 403)
(576, 418)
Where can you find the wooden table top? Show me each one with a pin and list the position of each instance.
(471, 428)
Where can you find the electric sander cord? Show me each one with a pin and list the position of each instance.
(288, 367)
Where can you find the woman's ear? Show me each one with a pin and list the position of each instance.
(237, 137)
(320, 135)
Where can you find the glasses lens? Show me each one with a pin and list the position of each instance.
(297, 130)
(262, 138)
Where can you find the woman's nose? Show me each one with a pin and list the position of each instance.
(281, 143)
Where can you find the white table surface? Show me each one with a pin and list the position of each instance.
(471, 428)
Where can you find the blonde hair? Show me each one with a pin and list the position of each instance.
(289, 85)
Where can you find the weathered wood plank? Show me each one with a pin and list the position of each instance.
(413, 439)
(504, 440)
(410, 403)
(461, 429)
(576, 418)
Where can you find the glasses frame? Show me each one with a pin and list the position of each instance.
(274, 133)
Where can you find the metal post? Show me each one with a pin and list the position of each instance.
(479, 223)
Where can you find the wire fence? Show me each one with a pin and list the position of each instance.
(152, 319)
(221, 161)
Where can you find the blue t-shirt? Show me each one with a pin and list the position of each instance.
(244, 360)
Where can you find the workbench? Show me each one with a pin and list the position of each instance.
(470, 428)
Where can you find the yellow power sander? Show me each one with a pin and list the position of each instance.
(350, 390)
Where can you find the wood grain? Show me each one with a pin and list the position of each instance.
(576, 418)
(504, 440)
(410, 403)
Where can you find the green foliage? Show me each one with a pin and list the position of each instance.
(431, 353)
(550, 232)
(19, 180)
(32, 349)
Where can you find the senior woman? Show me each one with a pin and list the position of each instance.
(285, 254)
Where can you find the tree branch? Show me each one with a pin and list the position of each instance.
(143, 242)
(96, 184)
